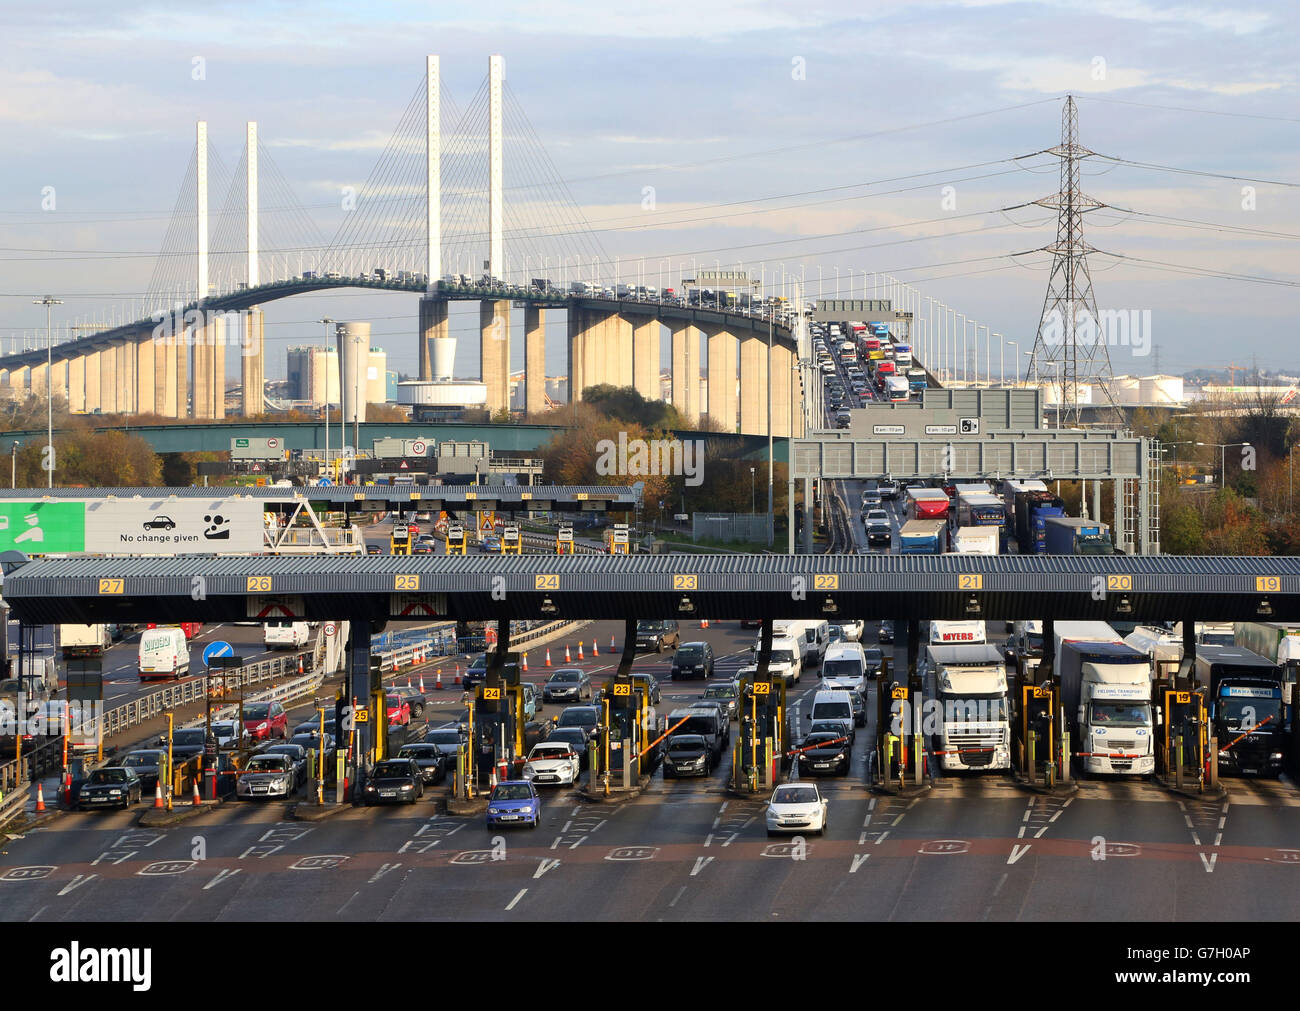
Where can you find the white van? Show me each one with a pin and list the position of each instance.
(164, 653)
(813, 636)
(845, 666)
(285, 634)
(834, 705)
(786, 661)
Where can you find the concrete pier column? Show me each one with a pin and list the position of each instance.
(433, 327)
(146, 377)
(202, 407)
(126, 377)
(40, 377)
(77, 384)
(182, 381)
(534, 359)
(753, 386)
(645, 357)
(574, 341)
(722, 376)
(619, 350)
(593, 365)
(59, 379)
(94, 366)
(218, 359)
(18, 379)
(494, 352)
(252, 363)
(783, 386)
(108, 379)
(160, 374)
(686, 370)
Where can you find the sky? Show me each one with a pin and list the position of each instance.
(819, 140)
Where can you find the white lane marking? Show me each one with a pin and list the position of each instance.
(1001, 881)
(1209, 864)
(384, 869)
(32, 918)
(77, 882)
(679, 894)
(882, 837)
(1017, 852)
(221, 876)
(1196, 840)
(348, 903)
(700, 864)
(858, 860)
(544, 866)
(515, 901)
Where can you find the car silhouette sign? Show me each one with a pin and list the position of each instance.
(160, 523)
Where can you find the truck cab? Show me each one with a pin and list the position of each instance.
(1245, 709)
(1106, 694)
(971, 681)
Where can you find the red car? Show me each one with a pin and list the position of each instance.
(264, 720)
(190, 628)
(399, 710)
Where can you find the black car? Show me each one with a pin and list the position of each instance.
(585, 717)
(825, 753)
(875, 660)
(693, 660)
(374, 549)
(576, 738)
(111, 786)
(569, 684)
(145, 763)
(477, 671)
(448, 740)
(160, 523)
(395, 781)
(313, 726)
(657, 635)
(415, 698)
(430, 759)
(687, 755)
(186, 743)
(886, 633)
(727, 693)
(297, 755)
(312, 743)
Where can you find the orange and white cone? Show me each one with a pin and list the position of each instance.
(439, 684)
(580, 656)
(421, 684)
(704, 623)
(611, 643)
(525, 661)
(408, 680)
(567, 657)
(595, 647)
(548, 656)
(457, 674)
(195, 799)
(157, 795)
(40, 798)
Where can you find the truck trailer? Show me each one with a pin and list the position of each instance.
(1070, 535)
(1106, 696)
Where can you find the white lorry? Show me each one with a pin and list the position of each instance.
(976, 541)
(84, 640)
(957, 633)
(971, 687)
(1106, 697)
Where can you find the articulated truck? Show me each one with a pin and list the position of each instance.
(1106, 696)
(1245, 700)
(971, 681)
(1070, 535)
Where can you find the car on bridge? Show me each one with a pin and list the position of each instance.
(797, 807)
(514, 802)
(111, 786)
(394, 781)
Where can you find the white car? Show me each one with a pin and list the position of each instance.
(797, 807)
(852, 629)
(552, 762)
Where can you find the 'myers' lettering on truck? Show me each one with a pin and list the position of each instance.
(947, 633)
(1106, 695)
(1245, 702)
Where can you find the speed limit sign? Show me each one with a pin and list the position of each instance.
(330, 628)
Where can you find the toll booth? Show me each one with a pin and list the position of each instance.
(564, 541)
(456, 540)
(401, 539)
(618, 540)
(1038, 732)
(763, 739)
(1183, 738)
(623, 744)
(496, 719)
(511, 541)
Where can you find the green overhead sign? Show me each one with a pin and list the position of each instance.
(40, 528)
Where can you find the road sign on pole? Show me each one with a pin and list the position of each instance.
(216, 649)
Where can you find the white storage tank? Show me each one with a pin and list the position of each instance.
(354, 358)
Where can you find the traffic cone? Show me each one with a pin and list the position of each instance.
(195, 800)
(611, 642)
(567, 657)
(525, 661)
(40, 798)
(704, 623)
(548, 656)
(67, 788)
(439, 684)
(580, 656)
(421, 684)
(457, 673)
(300, 663)
(157, 795)
(408, 680)
(595, 647)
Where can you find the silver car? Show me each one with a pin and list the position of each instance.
(267, 776)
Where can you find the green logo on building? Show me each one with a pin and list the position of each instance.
(43, 528)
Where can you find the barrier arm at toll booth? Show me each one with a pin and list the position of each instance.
(662, 737)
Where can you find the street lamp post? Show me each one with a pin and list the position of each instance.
(48, 462)
(1223, 448)
(753, 500)
(1015, 363)
(327, 321)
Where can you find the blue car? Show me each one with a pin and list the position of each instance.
(514, 802)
